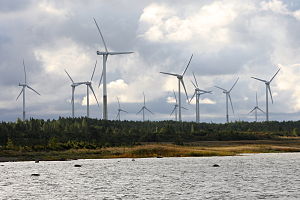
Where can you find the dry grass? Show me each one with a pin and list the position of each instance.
(203, 148)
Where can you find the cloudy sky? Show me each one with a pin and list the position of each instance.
(229, 39)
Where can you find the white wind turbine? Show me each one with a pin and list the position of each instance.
(180, 81)
(88, 87)
(120, 110)
(268, 89)
(227, 93)
(24, 86)
(144, 108)
(73, 85)
(105, 55)
(255, 109)
(176, 107)
(198, 92)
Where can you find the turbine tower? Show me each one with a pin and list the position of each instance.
(73, 85)
(24, 86)
(176, 107)
(227, 93)
(180, 81)
(255, 109)
(105, 55)
(88, 87)
(120, 110)
(198, 92)
(144, 108)
(268, 89)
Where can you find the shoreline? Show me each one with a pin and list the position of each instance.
(147, 150)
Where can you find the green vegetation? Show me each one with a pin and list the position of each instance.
(91, 138)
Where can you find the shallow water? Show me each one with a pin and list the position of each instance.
(254, 176)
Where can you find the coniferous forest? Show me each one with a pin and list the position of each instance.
(76, 133)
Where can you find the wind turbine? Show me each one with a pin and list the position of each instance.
(88, 87)
(120, 110)
(24, 86)
(176, 107)
(105, 55)
(198, 92)
(227, 93)
(73, 85)
(144, 108)
(180, 81)
(268, 88)
(255, 109)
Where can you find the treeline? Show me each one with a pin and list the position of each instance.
(75, 133)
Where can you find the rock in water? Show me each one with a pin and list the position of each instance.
(35, 174)
(216, 165)
(77, 165)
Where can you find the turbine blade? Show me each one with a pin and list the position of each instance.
(123, 110)
(274, 75)
(33, 89)
(251, 111)
(19, 94)
(149, 111)
(90, 86)
(269, 88)
(204, 91)
(261, 110)
(117, 53)
(195, 79)
(169, 74)
(173, 110)
(184, 108)
(187, 97)
(256, 100)
(231, 103)
(118, 102)
(187, 65)
(144, 98)
(221, 88)
(192, 97)
(117, 117)
(234, 84)
(175, 96)
(194, 84)
(101, 78)
(140, 110)
(101, 35)
(69, 76)
(94, 71)
(25, 71)
(259, 79)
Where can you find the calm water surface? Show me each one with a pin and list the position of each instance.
(256, 176)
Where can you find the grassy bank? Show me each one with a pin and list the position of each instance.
(195, 149)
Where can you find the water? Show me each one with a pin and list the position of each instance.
(256, 176)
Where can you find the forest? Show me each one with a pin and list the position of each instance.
(77, 133)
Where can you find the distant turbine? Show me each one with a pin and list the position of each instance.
(255, 109)
(227, 93)
(73, 85)
(180, 80)
(120, 110)
(267, 88)
(105, 55)
(176, 107)
(88, 87)
(198, 92)
(144, 108)
(24, 86)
